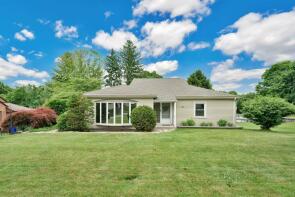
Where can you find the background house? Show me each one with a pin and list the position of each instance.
(7, 108)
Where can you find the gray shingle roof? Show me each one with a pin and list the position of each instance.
(160, 89)
(15, 107)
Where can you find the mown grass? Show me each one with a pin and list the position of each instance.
(186, 162)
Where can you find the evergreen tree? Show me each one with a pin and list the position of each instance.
(113, 69)
(130, 60)
(199, 79)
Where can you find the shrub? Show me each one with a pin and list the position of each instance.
(190, 122)
(229, 124)
(184, 123)
(35, 118)
(79, 114)
(58, 105)
(206, 124)
(62, 122)
(43, 117)
(222, 123)
(267, 111)
(143, 118)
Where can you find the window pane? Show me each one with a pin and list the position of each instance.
(157, 110)
(200, 110)
(165, 110)
(118, 113)
(97, 113)
(103, 112)
(125, 113)
(111, 113)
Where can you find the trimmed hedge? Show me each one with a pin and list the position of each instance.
(188, 122)
(222, 123)
(143, 118)
(35, 118)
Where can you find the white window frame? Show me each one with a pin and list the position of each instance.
(107, 102)
(205, 109)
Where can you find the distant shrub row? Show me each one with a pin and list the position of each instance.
(35, 118)
(220, 123)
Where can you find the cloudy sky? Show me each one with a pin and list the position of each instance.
(233, 42)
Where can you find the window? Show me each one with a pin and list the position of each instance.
(114, 113)
(118, 119)
(157, 108)
(200, 110)
(111, 113)
(97, 112)
(103, 113)
(125, 113)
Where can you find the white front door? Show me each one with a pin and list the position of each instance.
(166, 113)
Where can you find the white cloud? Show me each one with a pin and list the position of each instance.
(267, 38)
(43, 21)
(225, 77)
(162, 67)
(186, 8)
(19, 37)
(16, 59)
(198, 45)
(57, 60)
(158, 37)
(9, 69)
(115, 40)
(165, 35)
(26, 82)
(107, 14)
(39, 54)
(130, 24)
(23, 35)
(87, 46)
(67, 32)
(28, 34)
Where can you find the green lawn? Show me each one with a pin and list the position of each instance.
(186, 162)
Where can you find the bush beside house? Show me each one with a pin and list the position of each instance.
(79, 115)
(143, 118)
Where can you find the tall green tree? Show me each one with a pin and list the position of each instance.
(288, 88)
(130, 60)
(4, 89)
(29, 95)
(76, 72)
(278, 81)
(147, 74)
(199, 79)
(84, 64)
(114, 71)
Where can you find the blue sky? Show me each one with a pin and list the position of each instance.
(233, 42)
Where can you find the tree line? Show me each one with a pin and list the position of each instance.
(82, 70)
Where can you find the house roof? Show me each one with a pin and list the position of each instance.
(169, 89)
(15, 107)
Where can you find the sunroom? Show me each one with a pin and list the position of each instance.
(113, 113)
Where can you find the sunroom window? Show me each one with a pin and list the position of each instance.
(114, 113)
